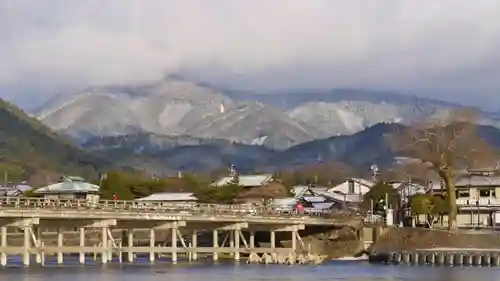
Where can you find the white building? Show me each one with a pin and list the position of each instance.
(407, 189)
(355, 186)
(71, 188)
(350, 191)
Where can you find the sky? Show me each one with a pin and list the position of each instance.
(445, 49)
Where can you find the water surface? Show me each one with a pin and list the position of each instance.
(346, 271)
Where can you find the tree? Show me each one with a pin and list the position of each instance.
(119, 183)
(445, 148)
(378, 194)
(236, 179)
(433, 207)
(224, 194)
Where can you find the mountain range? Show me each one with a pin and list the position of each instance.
(358, 151)
(177, 125)
(176, 107)
(28, 148)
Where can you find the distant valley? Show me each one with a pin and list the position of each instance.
(177, 107)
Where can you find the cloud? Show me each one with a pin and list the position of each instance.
(446, 46)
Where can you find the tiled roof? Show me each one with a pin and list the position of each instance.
(363, 182)
(283, 201)
(323, 205)
(300, 190)
(338, 197)
(412, 187)
(16, 190)
(69, 187)
(11, 192)
(246, 180)
(169, 196)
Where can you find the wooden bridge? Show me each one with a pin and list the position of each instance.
(34, 218)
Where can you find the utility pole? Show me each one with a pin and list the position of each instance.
(5, 180)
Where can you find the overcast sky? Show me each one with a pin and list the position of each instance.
(447, 49)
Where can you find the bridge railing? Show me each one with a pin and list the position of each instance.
(130, 205)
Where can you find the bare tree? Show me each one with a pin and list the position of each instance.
(446, 148)
(411, 170)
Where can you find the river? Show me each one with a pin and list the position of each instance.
(346, 271)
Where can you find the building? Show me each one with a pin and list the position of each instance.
(355, 186)
(256, 188)
(263, 194)
(71, 188)
(478, 189)
(314, 199)
(408, 189)
(14, 190)
(478, 198)
(173, 197)
(351, 191)
(246, 181)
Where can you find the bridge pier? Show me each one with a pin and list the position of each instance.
(272, 233)
(236, 246)
(152, 241)
(3, 245)
(81, 255)
(38, 244)
(215, 244)
(25, 225)
(60, 255)
(26, 245)
(130, 245)
(194, 245)
(104, 245)
(174, 245)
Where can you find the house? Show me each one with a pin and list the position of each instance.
(407, 189)
(256, 188)
(308, 192)
(246, 181)
(15, 190)
(70, 188)
(174, 197)
(351, 191)
(478, 189)
(353, 186)
(263, 193)
(478, 198)
(315, 199)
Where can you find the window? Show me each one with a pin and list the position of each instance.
(351, 187)
(463, 194)
(486, 192)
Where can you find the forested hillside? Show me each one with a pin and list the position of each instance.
(31, 151)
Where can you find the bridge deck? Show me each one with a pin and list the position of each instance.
(160, 211)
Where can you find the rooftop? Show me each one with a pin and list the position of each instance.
(246, 180)
(69, 185)
(170, 196)
(476, 180)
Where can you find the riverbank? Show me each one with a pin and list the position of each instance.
(408, 239)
